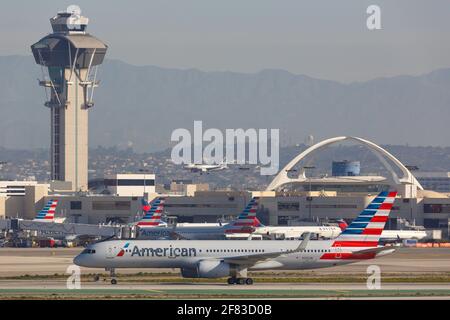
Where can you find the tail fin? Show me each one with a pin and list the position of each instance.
(247, 219)
(342, 224)
(365, 230)
(47, 214)
(152, 217)
(145, 205)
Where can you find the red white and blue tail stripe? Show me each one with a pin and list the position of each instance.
(360, 240)
(247, 220)
(47, 214)
(152, 214)
(366, 229)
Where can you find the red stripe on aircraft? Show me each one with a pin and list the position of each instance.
(379, 219)
(347, 256)
(392, 194)
(142, 223)
(355, 244)
(376, 231)
(385, 206)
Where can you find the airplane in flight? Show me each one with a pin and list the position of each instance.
(205, 168)
(219, 258)
(246, 225)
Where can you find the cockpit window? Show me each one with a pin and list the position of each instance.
(88, 251)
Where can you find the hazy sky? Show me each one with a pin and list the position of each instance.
(324, 39)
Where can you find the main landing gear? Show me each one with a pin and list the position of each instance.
(112, 274)
(247, 281)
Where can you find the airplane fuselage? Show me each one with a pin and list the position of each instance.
(218, 232)
(204, 232)
(297, 231)
(188, 253)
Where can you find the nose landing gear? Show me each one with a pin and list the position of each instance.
(112, 274)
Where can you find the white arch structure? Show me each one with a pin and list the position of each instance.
(407, 179)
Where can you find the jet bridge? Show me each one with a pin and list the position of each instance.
(96, 230)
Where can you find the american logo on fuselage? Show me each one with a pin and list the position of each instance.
(163, 252)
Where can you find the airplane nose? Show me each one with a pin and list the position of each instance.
(78, 260)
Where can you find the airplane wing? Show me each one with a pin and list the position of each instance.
(373, 250)
(250, 260)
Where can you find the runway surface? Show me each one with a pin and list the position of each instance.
(58, 289)
(47, 261)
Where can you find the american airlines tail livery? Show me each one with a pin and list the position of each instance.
(47, 214)
(244, 226)
(158, 229)
(223, 258)
(152, 213)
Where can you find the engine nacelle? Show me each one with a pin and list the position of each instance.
(213, 269)
(189, 273)
(208, 269)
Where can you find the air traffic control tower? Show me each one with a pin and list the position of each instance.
(69, 58)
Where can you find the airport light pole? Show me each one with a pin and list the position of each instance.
(309, 198)
(411, 168)
(145, 171)
(1, 165)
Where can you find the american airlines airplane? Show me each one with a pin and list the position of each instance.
(395, 235)
(246, 225)
(152, 227)
(47, 214)
(219, 258)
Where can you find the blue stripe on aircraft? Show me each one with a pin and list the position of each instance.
(362, 219)
(378, 200)
(358, 224)
(352, 231)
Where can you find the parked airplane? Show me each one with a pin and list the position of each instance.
(195, 231)
(390, 236)
(152, 213)
(218, 258)
(246, 225)
(53, 228)
(47, 214)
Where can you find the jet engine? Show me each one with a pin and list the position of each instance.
(208, 269)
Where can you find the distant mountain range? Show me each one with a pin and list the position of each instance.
(141, 105)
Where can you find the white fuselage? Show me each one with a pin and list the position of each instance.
(213, 231)
(190, 232)
(187, 254)
(403, 234)
(294, 232)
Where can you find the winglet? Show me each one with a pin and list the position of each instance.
(304, 243)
